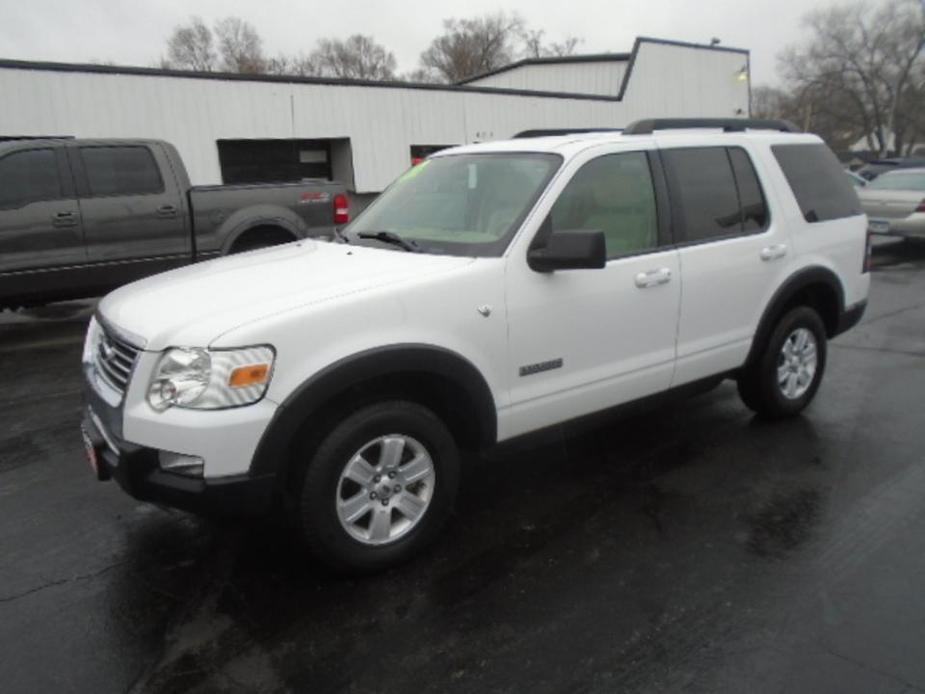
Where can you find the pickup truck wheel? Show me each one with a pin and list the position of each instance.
(785, 377)
(379, 487)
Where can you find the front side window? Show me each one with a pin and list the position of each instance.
(29, 176)
(463, 204)
(121, 171)
(703, 190)
(613, 194)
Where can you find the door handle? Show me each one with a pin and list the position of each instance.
(64, 219)
(653, 278)
(167, 211)
(774, 252)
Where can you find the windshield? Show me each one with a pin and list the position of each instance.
(899, 180)
(463, 204)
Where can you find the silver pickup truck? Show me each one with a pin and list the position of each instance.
(81, 217)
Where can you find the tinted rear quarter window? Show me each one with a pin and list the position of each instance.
(818, 181)
(29, 176)
(121, 171)
(703, 191)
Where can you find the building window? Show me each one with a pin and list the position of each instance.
(268, 161)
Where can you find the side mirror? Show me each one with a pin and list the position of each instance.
(569, 250)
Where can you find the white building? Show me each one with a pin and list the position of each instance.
(235, 128)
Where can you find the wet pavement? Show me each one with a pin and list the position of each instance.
(691, 548)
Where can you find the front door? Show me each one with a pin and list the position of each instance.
(41, 241)
(39, 217)
(585, 340)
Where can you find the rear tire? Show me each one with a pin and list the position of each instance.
(378, 488)
(784, 378)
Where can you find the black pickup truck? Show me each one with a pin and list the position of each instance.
(81, 217)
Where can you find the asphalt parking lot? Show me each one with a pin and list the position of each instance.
(691, 548)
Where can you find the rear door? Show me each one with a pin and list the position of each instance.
(40, 225)
(731, 252)
(133, 210)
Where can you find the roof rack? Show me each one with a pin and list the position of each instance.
(729, 125)
(550, 132)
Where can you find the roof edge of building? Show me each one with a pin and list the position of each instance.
(461, 87)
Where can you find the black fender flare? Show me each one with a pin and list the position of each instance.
(351, 371)
(794, 284)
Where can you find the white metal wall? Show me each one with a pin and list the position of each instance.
(603, 77)
(381, 123)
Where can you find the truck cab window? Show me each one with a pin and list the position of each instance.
(121, 171)
(28, 176)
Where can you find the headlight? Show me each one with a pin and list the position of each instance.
(204, 379)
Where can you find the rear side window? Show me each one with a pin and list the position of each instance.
(818, 181)
(121, 171)
(703, 192)
(29, 176)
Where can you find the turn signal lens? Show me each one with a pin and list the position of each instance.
(250, 375)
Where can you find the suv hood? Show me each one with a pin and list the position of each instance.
(194, 305)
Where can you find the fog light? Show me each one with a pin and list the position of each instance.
(188, 465)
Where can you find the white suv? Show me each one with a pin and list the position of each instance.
(492, 291)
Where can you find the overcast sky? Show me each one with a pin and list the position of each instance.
(134, 32)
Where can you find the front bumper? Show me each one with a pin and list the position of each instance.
(136, 470)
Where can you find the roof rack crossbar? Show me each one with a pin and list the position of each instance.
(550, 132)
(729, 125)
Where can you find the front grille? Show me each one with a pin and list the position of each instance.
(114, 359)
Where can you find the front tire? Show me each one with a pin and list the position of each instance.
(784, 378)
(378, 488)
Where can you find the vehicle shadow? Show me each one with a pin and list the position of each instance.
(603, 509)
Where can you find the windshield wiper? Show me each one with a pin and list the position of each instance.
(392, 238)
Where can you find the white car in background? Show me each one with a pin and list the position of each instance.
(895, 203)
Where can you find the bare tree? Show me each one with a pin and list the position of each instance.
(468, 47)
(535, 47)
(768, 102)
(420, 76)
(296, 65)
(358, 57)
(863, 58)
(190, 47)
(239, 45)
